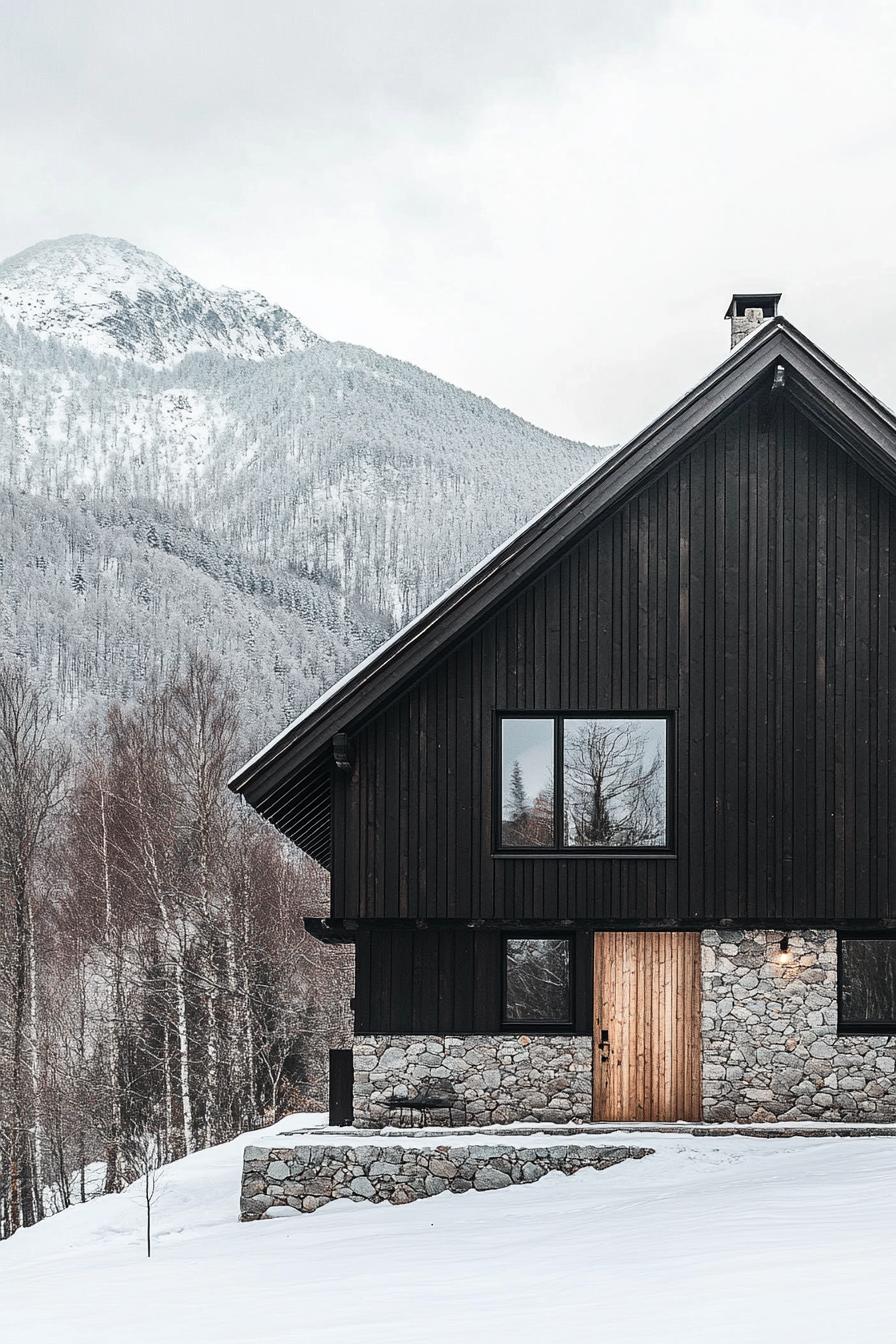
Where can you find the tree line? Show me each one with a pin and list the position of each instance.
(158, 992)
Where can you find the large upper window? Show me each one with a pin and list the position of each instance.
(574, 782)
(538, 982)
(867, 979)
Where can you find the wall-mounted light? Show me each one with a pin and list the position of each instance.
(784, 953)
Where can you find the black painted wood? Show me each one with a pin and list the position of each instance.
(444, 980)
(748, 588)
(341, 1082)
(289, 782)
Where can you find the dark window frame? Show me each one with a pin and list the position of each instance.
(502, 851)
(846, 1026)
(538, 1026)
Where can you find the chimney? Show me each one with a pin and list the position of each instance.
(748, 311)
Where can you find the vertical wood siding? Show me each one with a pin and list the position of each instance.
(411, 981)
(647, 1000)
(750, 590)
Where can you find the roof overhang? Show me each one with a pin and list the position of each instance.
(289, 782)
(326, 931)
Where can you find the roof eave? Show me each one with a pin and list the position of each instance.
(821, 385)
(502, 569)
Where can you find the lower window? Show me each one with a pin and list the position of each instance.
(537, 981)
(867, 984)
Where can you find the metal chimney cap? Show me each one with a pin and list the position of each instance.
(741, 302)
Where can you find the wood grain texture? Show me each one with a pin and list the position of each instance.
(445, 981)
(749, 589)
(647, 1000)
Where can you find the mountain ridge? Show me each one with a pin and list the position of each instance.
(286, 513)
(120, 300)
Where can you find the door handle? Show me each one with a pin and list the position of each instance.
(605, 1046)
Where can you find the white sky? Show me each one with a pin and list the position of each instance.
(531, 742)
(548, 202)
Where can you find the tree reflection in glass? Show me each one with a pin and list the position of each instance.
(527, 775)
(537, 981)
(868, 981)
(614, 783)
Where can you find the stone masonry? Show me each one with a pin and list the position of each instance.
(497, 1079)
(770, 1045)
(770, 1051)
(302, 1179)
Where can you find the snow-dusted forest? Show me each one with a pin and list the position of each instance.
(283, 513)
(207, 514)
(159, 992)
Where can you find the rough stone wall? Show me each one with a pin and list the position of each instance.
(770, 1045)
(300, 1180)
(497, 1079)
(743, 326)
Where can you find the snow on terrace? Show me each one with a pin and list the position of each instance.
(728, 1239)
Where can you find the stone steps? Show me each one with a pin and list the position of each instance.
(788, 1130)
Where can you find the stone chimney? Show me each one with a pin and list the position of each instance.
(748, 311)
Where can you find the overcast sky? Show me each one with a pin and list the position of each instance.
(549, 203)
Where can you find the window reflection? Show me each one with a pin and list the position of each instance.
(614, 783)
(527, 775)
(537, 981)
(868, 982)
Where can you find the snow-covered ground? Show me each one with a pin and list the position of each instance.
(712, 1239)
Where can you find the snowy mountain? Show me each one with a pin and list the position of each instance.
(114, 299)
(286, 512)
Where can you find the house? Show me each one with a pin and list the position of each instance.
(612, 824)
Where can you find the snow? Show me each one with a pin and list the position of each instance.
(287, 512)
(113, 298)
(728, 1239)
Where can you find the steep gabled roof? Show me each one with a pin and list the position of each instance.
(289, 781)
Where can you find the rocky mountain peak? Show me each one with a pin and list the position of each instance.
(113, 298)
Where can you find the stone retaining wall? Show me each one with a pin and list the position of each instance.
(497, 1079)
(770, 1045)
(302, 1179)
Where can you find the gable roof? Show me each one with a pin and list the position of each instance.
(289, 781)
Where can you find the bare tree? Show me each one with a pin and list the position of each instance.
(200, 729)
(538, 979)
(528, 824)
(33, 767)
(163, 993)
(613, 792)
(142, 1154)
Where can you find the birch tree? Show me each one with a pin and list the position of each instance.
(33, 768)
(163, 993)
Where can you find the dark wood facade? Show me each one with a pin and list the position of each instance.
(731, 567)
(749, 588)
(447, 980)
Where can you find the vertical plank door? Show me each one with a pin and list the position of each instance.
(647, 1026)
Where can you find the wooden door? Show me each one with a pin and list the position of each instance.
(647, 1026)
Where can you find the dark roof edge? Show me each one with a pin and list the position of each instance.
(326, 931)
(410, 633)
(360, 692)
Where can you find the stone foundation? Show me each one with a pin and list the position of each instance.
(300, 1180)
(770, 1044)
(497, 1079)
(770, 1051)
